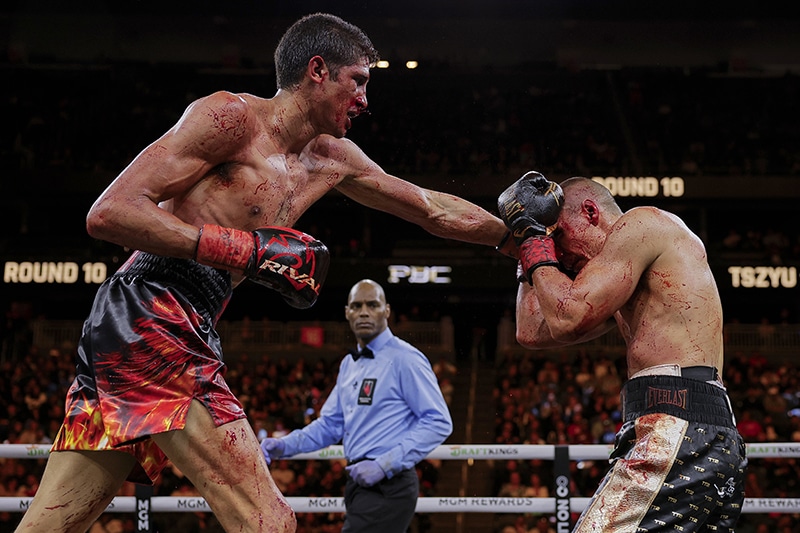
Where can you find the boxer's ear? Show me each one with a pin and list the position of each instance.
(317, 69)
(591, 211)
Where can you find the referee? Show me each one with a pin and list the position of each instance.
(387, 410)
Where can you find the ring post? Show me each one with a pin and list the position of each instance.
(143, 494)
(562, 489)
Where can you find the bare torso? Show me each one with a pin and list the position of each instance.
(260, 185)
(646, 274)
(674, 314)
(250, 193)
(239, 161)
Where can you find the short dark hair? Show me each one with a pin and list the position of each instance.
(338, 42)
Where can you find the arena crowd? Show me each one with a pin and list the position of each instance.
(67, 131)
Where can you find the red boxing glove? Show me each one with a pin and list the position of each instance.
(289, 261)
(535, 252)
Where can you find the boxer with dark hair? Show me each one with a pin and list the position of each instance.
(209, 204)
(587, 267)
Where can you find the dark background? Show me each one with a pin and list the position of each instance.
(87, 86)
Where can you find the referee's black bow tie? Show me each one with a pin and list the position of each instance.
(366, 352)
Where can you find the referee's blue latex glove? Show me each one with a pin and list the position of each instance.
(272, 448)
(366, 473)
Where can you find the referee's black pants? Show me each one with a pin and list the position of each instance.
(387, 507)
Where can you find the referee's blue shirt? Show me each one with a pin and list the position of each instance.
(388, 408)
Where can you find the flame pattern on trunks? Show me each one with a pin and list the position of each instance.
(145, 354)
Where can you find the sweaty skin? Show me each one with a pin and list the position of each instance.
(643, 271)
(245, 162)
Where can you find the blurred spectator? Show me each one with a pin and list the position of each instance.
(514, 487)
(580, 391)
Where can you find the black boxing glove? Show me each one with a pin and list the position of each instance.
(530, 205)
(286, 260)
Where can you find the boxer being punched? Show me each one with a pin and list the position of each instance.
(678, 463)
(207, 205)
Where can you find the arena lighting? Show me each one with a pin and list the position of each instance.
(382, 64)
(411, 64)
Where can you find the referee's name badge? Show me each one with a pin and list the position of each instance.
(367, 391)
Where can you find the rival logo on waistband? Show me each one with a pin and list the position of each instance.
(666, 396)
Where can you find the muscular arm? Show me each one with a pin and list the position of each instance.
(532, 329)
(580, 309)
(128, 211)
(441, 214)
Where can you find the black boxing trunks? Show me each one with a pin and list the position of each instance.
(678, 462)
(147, 350)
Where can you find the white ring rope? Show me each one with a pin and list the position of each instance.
(577, 452)
(443, 504)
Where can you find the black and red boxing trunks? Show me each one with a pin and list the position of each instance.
(678, 462)
(147, 350)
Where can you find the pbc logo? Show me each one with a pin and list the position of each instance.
(366, 392)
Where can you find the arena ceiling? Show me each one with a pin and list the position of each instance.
(499, 33)
(442, 9)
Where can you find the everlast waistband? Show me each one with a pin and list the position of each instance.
(700, 373)
(205, 287)
(689, 399)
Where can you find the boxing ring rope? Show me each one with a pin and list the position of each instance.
(443, 504)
